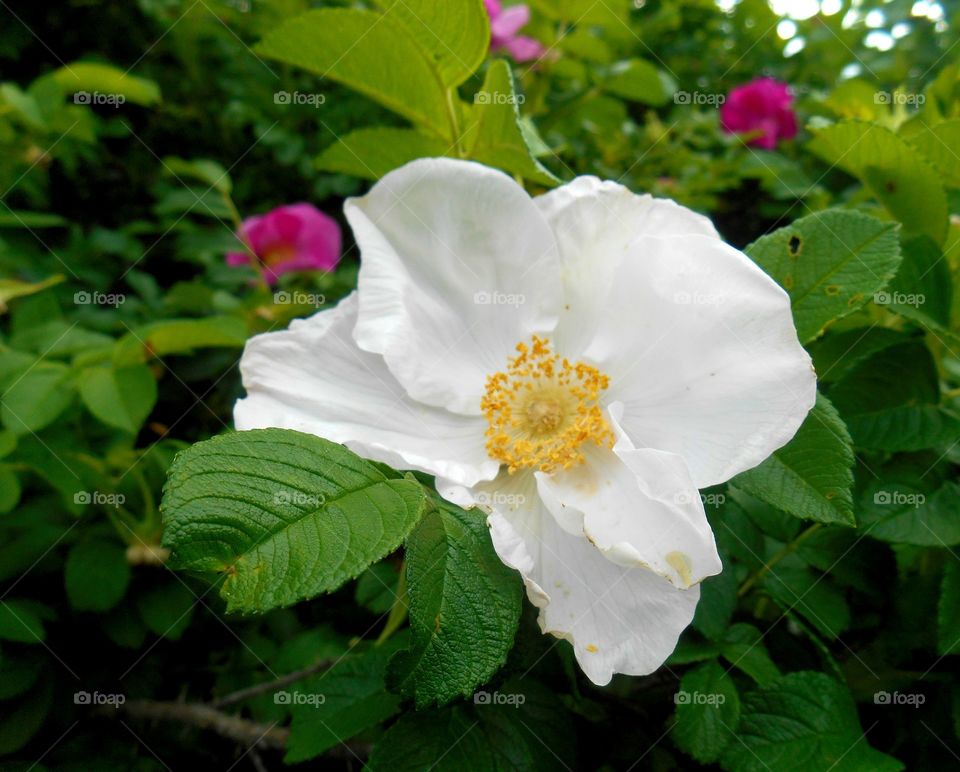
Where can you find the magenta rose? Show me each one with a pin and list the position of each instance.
(505, 23)
(762, 107)
(296, 237)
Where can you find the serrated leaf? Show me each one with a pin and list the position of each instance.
(708, 710)
(493, 129)
(811, 476)
(896, 173)
(120, 397)
(939, 144)
(96, 574)
(896, 513)
(923, 287)
(348, 698)
(464, 607)
(369, 52)
(372, 152)
(521, 727)
(454, 34)
(285, 515)
(813, 597)
(803, 721)
(743, 647)
(830, 263)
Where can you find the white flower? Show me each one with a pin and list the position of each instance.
(578, 364)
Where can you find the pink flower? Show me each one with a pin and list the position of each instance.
(296, 237)
(504, 26)
(763, 105)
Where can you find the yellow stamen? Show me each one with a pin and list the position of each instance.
(543, 409)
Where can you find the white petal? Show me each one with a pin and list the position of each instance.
(313, 378)
(701, 350)
(457, 267)
(618, 619)
(595, 222)
(638, 507)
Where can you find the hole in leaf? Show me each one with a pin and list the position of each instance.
(794, 245)
(890, 186)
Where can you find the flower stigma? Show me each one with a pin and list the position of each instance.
(543, 409)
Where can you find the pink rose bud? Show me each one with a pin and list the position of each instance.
(763, 105)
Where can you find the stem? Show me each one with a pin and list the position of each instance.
(789, 548)
(454, 123)
(271, 686)
(398, 612)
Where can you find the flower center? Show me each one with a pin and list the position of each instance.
(543, 409)
(278, 253)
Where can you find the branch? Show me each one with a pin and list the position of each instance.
(271, 686)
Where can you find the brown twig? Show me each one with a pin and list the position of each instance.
(271, 686)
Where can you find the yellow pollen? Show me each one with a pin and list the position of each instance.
(543, 410)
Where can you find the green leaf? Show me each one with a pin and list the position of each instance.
(9, 489)
(371, 153)
(22, 719)
(286, 516)
(830, 263)
(19, 671)
(464, 606)
(639, 81)
(340, 703)
(454, 34)
(718, 599)
(812, 596)
(35, 399)
(97, 574)
(202, 169)
(369, 52)
(889, 400)
(521, 727)
(743, 647)
(494, 131)
(12, 288)
(120, 397)
(107, 79)
(167, 609)
(811, 476)
(708, 710)
(21, 621)
(376, 588)
(898, 513)
(179, 336)
(948, 616)
(923, 287)
(836, 353)
(899, 177)
(803, 721)
(939, 145)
